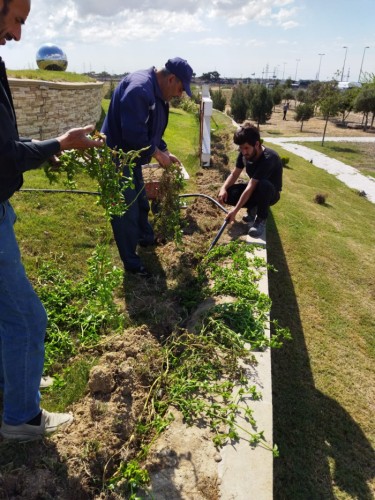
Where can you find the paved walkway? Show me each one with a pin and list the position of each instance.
(346, 174)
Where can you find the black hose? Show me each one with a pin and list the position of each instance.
(73, 191)
(69, 191)
(205, 196)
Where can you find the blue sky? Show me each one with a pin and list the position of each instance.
(234, 37)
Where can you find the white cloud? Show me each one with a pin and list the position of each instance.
(111, 8)
(78, 16)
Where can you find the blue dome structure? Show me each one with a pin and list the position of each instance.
(51, 57)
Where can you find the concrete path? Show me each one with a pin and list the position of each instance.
(346, 174)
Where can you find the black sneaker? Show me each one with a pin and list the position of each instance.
(257, 228)
(251, 214)
(140, 271)
(248, 218)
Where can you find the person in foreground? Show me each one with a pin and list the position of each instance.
(136, 120)
(264, 168)
(23, 320)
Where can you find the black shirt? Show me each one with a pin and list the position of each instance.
(268, 166)
(17, 155)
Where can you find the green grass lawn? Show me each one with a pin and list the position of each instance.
(40, 74)
(356, 154)
(323, 380)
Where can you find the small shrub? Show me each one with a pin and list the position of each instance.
(320, 198)
(285, 161)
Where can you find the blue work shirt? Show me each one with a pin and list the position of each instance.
(137, 116)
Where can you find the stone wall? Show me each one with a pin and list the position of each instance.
(48, 109)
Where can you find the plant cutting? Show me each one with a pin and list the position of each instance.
(104, 165)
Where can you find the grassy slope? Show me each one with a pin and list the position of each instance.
(357, 155)
(324, 379)
(324, 290)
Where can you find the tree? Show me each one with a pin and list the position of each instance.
(301, 95)
(261, 105)
(277, 94)
(218, 99)
(288, 94)
(346, 102)
(288, 83)
(240, 101)
(212, 76)
(328, 103)
(313, 93)
(365, 103)
(303, 113)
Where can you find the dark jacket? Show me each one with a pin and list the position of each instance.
(137, 116)
(17, 155)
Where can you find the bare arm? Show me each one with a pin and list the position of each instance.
(231, 179)
(245, 196)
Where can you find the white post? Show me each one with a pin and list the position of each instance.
(206, 113)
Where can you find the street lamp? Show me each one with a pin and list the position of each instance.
(284, 70)
(320, 62)
(360, 71)
(343, 66)
(295, 77)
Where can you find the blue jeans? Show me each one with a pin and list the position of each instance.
(134, 225)
(23, 323)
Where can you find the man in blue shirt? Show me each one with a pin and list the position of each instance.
(264, 168)
(136, 120)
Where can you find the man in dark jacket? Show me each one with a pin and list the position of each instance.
(136, 120)
(264, 168)
(23, 319)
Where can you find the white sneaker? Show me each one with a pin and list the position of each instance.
(50, 422)
(45, 382)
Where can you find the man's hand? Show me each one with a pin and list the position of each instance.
(231, 217)
(165, 158)
(223, 195)
(77, 138)
(54, 162)
(174, 159)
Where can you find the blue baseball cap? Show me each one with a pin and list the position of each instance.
(180, 68)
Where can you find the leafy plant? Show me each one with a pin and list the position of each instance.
(129, 478)
(104, 165)
(200, 370)
(79, 312)
(167, 223)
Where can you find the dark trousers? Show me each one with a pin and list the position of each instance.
(264, 196)
(133, 226)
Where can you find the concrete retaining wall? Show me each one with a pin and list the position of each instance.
(48, 109)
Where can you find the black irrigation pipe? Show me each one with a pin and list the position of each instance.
(69, 191)
(73, 191)
(205, 196)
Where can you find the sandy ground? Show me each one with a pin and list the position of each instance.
(277, 127)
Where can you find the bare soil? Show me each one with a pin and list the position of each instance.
(183, 462)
